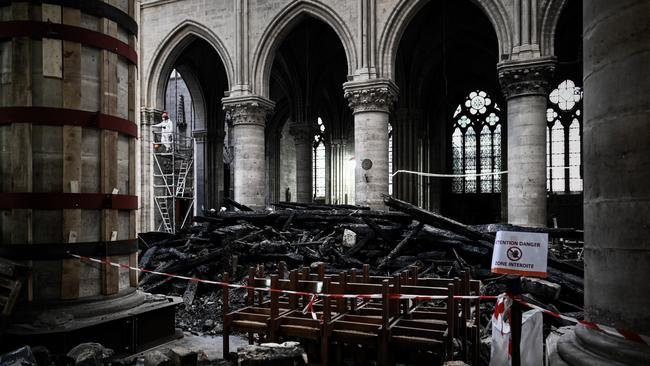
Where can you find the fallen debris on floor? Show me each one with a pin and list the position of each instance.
(343, 237)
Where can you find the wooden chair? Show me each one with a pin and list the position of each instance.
(306, 326)
(474, 322)
(425, 328)
(365, 327)
(467, 325)
(256, 318)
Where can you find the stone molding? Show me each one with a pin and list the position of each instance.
(532, 77)
(377, 95)
(150, 116)
(247, 110)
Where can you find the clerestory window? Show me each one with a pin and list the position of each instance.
(476, 144)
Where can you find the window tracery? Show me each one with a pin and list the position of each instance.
(476, 144)
(564, 138)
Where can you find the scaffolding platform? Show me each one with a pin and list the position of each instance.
(173, 180)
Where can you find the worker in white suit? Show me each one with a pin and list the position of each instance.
(166, 131)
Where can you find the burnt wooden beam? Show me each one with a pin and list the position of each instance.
(236, 204)
(482, 239)
(411, 235)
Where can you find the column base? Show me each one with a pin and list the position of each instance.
(587, 347)
(127, 322)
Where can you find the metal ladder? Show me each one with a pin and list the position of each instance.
(183, 170)
(161, 202)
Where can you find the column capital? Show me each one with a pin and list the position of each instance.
(199, 136)
(376, 95)
(247, 110)
(531, 77)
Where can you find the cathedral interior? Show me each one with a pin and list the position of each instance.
(158, 155)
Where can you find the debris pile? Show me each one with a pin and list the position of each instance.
(343, 237)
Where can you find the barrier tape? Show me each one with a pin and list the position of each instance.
(619, 333)
(289, 292)
(471, 175)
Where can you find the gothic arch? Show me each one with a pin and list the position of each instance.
(171, 48)
(550, 18)
(282, 24)
(401, 17)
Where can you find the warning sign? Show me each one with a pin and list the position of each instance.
(520, 253)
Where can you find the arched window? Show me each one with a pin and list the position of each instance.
(390, 159)
(319, 161)
(563, 139)
(476, 144)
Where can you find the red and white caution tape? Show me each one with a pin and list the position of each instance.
(269, 289)
(620, 333)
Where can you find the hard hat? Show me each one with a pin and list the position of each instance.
(165, 115)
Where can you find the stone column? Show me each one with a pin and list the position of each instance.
(149, 116)
(199, 170)
(248, 116)
(370, 102)
(616, 189)
(525, 85)
(303, 137)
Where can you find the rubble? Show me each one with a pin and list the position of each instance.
(545, 289)
(342, 237)
(20, 357)
(90, 354)
(285, 354)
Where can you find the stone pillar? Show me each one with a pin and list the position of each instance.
(199, 170)
(525, 86)
(303, 137)
(248, 116)
(370, 102)
(616, 191)
(149, 116)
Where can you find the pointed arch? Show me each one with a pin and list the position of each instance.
(550, 18)
(401, 16)
(282, 24)
(171, 48)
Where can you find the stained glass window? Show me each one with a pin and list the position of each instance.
(390, 159)
(319, 161)
(476, 144)
(564, 138)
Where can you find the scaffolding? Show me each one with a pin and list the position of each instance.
(173, 180)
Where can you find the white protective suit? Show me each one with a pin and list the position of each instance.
(166, 135)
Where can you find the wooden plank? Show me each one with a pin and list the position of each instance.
(133, 275)
(21, 147)
(133, 146)
(109, 172)
(52, 55)
(72, 144)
